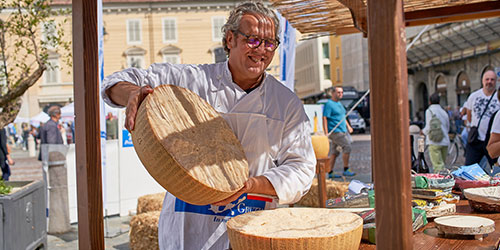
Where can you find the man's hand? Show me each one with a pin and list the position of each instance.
(257, 185)
(10, 161)
(349, 128)
(135, 99)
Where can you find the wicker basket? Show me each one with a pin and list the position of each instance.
(485, 199)
(187, 147)
(295, 229)
(484, 207)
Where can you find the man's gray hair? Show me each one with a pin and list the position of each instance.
(233, 22)
(54, 110)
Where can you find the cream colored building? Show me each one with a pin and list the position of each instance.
(318, 66)
(139, 33)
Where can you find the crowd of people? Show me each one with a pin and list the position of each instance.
(474, 121)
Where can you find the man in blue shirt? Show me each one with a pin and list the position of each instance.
(333, 114)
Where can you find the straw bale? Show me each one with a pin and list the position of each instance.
(187, 147)
(150, 202)
(144, 231)
(334, 189)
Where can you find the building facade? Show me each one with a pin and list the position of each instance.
(318, 66)
(138, 33)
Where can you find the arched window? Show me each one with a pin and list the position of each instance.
(441, 89)
(171, 54)
(135, 57)
(462, 88)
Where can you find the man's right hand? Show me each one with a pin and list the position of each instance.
(135, 99)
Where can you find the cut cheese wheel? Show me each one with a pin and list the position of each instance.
(187, 147)
(295, 228)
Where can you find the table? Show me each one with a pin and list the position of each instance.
(428, 238)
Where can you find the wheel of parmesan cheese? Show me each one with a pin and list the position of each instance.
(295, 228)
(187, 147)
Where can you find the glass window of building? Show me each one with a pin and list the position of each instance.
(48, 33)
(52, 71)
(217, 23)
(134, 31)
(326, 50)
(169, 30)
(326, 71)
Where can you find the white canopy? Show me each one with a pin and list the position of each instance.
(41, 117)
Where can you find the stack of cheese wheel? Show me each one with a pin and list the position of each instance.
(295, 228)
(187, 147)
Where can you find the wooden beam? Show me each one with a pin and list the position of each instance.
(390, 123)
(87, 147)
(453, 13)
(358, 13)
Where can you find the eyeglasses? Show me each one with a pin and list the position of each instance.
(254, 42)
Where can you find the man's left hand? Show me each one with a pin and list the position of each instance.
(257, 185)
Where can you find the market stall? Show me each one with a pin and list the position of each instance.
(383, 22)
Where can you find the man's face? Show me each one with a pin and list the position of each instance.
(337, 94)
(489, 81)
(245, 62)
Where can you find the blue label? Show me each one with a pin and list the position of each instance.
(239, 206)
(103, 134)
(126, 139)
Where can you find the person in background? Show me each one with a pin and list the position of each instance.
(111, 127)
(457, 119)
(268, 119)
(5, 159)
(493, 146)
(26, 133)
(333, 114)
(49, 132)
(438, 150)
(464, 133)
(479, 107)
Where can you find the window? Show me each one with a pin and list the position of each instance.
(337, 50)
(219, 55)
(217, 23)
(338, 74)
(48, 34)
(135, 61)
(134, 31)
(326, 51)
(52, 71)
(326, 71)
(169, 30)
(171, 58)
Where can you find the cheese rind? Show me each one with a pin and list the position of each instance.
(187, 147)
(295, 228)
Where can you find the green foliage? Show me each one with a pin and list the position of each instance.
(31, 32)
(5, 189)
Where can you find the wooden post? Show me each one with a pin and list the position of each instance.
(390, 124)
(88, 154)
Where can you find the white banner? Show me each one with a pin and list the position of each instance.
(287, 52)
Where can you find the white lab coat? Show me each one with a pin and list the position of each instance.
(272, 127)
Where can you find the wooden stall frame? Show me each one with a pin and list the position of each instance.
(88, 140)
(390, 142)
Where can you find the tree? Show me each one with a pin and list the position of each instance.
(29, 34)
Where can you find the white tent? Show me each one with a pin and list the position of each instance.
(41, 117)
(20, 119)
(68, 110)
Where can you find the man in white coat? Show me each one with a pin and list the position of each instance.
(268, 119)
